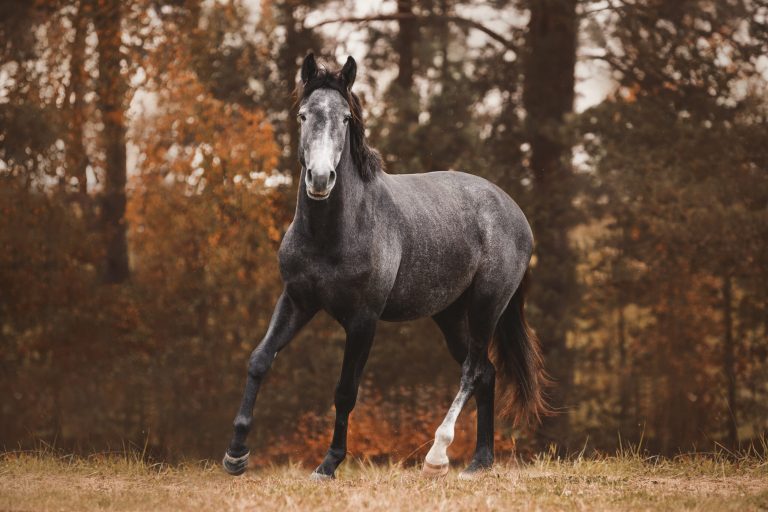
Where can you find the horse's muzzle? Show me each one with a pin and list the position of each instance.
(320, 183)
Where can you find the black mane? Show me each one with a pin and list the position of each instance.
(367, 159)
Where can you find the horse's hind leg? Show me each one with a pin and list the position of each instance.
(476, 367)
(454, 324)
(484, 397)
(472, 330)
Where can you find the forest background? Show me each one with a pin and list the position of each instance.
(148, 171)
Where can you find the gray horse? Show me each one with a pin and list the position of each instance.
(365, 245)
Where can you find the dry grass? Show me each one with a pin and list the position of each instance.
(43, 481)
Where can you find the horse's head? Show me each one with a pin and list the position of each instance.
(324, 115)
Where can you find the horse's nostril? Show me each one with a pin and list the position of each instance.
(309, 174)
(333, 176)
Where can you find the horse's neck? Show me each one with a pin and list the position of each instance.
(329, 221)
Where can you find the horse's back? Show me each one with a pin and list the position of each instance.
(461, 201)
(454, 229)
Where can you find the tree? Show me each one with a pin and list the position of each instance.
(77, 158)
(111, 88)
(685, 199)
(548, 97)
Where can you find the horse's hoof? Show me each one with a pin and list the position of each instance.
(434, 470)
(319, 477)
(235, 465)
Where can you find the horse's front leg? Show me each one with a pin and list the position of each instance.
(286, 321)
(360, 333)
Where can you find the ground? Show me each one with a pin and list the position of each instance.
(703, 482)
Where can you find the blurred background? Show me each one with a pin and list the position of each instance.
(148, 171)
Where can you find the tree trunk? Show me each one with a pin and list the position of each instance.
(625, 375)
(548, 96)
(287, 133)
(111, 90)
(401, 149)
(288, 63)
(76, 157)
(729, 363)
(406, 35)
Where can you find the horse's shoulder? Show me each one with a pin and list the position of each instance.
(291, 251)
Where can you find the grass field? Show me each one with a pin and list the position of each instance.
(46, 482)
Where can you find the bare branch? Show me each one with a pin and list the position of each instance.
(620, 5)
(429, 18)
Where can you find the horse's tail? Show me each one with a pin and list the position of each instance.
(517, 357)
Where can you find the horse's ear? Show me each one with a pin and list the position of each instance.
(308, 68)
(349, 71)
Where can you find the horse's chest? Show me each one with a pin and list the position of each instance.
(329, 281)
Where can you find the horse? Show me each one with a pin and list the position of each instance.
(366, 246)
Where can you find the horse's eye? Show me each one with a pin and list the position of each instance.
(347, 118)
(302, 117)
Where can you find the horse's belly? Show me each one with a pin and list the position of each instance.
(421, 294)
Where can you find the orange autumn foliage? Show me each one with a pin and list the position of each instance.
(385, 429)
(203, 176)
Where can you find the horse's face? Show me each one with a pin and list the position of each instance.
(324, 117)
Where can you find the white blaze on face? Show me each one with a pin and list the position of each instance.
(332, 142)
(322, 153)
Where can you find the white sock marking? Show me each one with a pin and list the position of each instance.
(438, 454)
